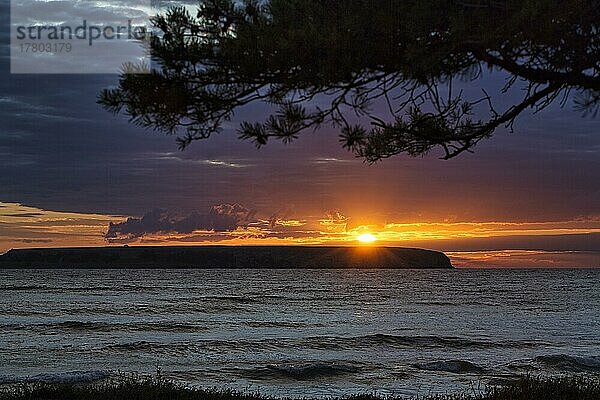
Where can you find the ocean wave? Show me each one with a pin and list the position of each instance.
(401, 341)
(300, 371)
(59, 289)
(280, 324)
(186, 348)
(21, 288)
(93, 326)
(312, 370)
(435, 303)
(328, 343)
(141, 345)
(230, 299)
(59, 377)
(182, 348)
(569, 363)
(454, 366)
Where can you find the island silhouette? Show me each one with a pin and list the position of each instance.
(246, 257)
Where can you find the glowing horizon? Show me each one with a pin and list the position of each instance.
(30, 224)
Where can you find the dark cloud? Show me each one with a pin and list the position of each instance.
(222, 223)
(220, 218)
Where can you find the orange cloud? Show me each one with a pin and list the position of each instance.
(525, 259)
(23, 226)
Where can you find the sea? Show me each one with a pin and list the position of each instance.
(301, 333)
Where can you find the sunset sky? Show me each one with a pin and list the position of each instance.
(69, 168)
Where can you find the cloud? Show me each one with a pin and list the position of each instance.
(26, 226)
(525, 259)
(232, 223)
(220, 218)
(25, 215)
(174, 157)
(226, 223)
(332, 160)
(334, 221)
(28, 241)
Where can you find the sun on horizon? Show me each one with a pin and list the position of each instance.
(366, 238)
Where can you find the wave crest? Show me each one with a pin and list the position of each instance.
(570, 363)
(301, 371)
(59, 377)
(400, 341)
(453, 366)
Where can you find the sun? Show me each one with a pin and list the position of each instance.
(366, 238)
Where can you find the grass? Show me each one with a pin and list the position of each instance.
(157, 388)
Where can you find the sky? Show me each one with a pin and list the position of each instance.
(72, 174)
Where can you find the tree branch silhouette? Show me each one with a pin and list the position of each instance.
(327, 63)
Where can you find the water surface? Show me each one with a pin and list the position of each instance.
(300, 332)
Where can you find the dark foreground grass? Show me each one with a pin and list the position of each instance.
(132, 388)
